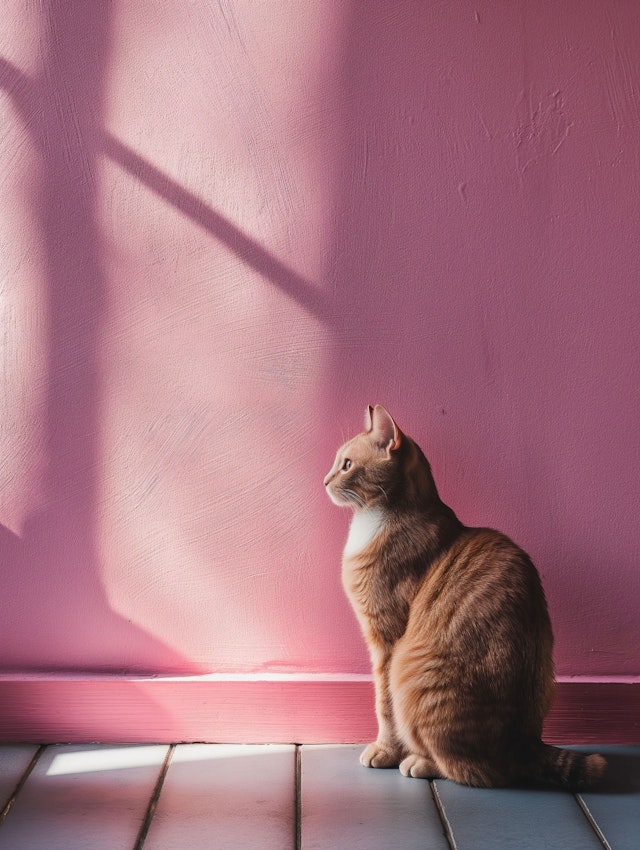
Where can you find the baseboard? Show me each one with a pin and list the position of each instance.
(260, 709)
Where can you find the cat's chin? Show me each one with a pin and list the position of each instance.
(342, 502)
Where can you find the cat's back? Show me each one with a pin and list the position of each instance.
(483, 562)
(483, 588)
(483, 553)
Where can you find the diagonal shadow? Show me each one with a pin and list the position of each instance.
(244, 247)
(19, 86)
(13, 81)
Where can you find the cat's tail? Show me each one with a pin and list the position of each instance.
(566, 768)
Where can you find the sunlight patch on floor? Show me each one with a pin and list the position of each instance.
(105, 758)
(122, 758)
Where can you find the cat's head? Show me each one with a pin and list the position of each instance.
(379, 467)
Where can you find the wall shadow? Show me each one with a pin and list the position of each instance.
(62, 111)
(390, 296)
(453, 284)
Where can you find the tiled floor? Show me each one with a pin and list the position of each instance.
(187, 797)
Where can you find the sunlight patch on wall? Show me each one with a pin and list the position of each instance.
(218, 329)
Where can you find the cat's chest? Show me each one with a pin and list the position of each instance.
(365, 526)
(374, 579)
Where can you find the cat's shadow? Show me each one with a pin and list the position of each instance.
(623, 774)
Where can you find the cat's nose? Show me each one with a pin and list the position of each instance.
(327, 479)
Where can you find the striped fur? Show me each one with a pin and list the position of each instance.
(456, 623)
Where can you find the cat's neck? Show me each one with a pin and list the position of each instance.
(366, 525)
(421, 533)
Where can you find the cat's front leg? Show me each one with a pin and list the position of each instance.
(386, 750)
(421, 767)
(378, 754)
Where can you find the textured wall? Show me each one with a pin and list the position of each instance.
(225, 228)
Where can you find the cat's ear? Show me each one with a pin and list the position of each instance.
(368, 419)
(384, 429)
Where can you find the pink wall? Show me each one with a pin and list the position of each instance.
(225, 229)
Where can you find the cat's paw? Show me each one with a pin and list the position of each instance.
(419, 767)
(376, 755)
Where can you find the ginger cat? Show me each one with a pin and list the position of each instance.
(456, 624)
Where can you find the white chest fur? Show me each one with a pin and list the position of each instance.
(365, 527)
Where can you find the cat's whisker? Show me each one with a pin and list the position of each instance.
(354, 497)
(384, 493)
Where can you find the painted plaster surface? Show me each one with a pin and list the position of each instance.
(227, 227)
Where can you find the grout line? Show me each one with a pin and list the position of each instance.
(21, 783)
(298, 798)
(153, 802)
(592, 821)
(446, 826)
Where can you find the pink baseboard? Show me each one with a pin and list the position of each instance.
(258, 709)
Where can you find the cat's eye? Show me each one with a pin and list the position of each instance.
(346, 466)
